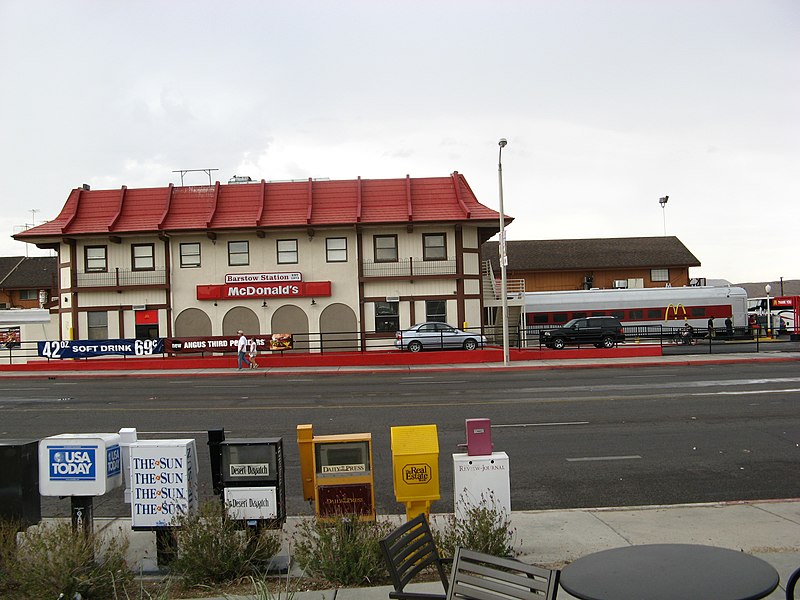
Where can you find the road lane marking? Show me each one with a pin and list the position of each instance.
(22, 389)
(433, 382)
(746, 392)
(541, 424)
(595, 458)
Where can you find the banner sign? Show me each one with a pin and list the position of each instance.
(262, 277)
(281, 341)
(247, 503)
(783, 301)
(297, 289)
(216, 343)
(9, 337)
(86, 348)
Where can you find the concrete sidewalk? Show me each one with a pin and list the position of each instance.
(554, 538)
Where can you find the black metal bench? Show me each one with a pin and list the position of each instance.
(408, 551)
(484, 577)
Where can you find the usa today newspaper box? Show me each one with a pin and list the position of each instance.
(253, 480)
(163, 482)
(79, 464)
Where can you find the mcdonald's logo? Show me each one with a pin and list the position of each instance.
(676, 309)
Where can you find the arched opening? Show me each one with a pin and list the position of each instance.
(291, 319)
(240, 317)
(192, 322)
(338, 328)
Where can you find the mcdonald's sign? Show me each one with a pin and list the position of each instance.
(676, 310)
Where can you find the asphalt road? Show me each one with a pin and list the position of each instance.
(575, 437)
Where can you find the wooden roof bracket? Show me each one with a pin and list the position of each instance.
(119, 208)
(459, 199)
(409, 208)
(74, 215)
(166, 207)
(213, 205)
(310, 199)
(358, 199)
(261, 208)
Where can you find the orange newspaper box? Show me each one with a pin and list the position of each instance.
(337, 473)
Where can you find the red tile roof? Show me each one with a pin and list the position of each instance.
(268, 205)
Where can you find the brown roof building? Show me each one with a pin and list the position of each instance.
(24, 280)
(550, 265)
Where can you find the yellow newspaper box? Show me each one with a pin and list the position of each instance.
(339, 471)
(415, 457)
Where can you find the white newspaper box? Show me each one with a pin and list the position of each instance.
(163, 482)
(79, 464)
(481, 479)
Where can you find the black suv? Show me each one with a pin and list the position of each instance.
(603, 332)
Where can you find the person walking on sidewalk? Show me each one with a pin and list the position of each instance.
(252, 352)
(241, 347)
(710, 327)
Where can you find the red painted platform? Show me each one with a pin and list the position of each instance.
(334, 359)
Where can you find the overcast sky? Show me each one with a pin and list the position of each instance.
(607, 105)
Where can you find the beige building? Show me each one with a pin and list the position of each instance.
(339, 264)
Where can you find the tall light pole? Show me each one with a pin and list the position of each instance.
(768, 289)
(502, 251)
(663, 202)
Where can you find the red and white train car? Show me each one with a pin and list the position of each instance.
(667, 306)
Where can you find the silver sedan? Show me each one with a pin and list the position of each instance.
(437, 336)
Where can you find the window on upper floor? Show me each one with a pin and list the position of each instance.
(385, 248)
(238, 254)
(29, 294)
(287, 252)
(190, 255)
(95, 259)
(97, 325)
(434, 246)
(659, 274)
(143, 257)
(336, 249)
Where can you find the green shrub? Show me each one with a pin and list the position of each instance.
(284, 588)
(8, 551)
(485, 527)
(344, 550)
(214, 549)
(52, 559)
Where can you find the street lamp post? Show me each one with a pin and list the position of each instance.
(768, 289)
(663, 202)
(502, 252)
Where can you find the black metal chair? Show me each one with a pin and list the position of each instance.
(409, 550)
(482, 576)
(791, 583)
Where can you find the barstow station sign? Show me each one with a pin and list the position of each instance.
(264, 285)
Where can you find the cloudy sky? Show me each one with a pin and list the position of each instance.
(607, 105)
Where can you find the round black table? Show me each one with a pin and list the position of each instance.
(669, 572)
